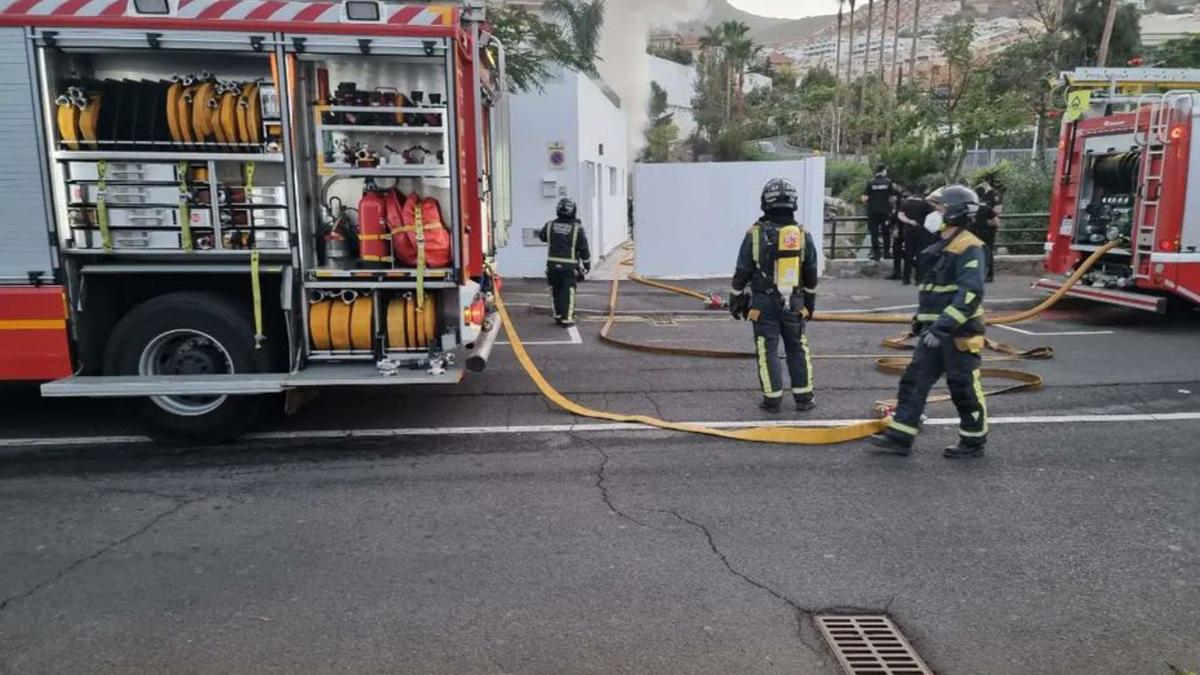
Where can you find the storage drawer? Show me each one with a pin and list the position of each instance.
(162, 216)
(261, 217)
(88, 193)
(124, 171)
(263, 239)
(128, 239)
(259, 196)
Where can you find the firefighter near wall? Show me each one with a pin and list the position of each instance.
(775, 287)
(568, 260)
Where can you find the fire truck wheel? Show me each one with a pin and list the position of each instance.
(191, 333)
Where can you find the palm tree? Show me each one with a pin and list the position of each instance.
(742, 53)
(887, 5)
(870, 25)
(738, 49)
(585, 21)
(850, 59)
(835, 133)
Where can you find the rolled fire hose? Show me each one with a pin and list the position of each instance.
(789, 435)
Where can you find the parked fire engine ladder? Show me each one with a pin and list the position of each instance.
(1149, 191)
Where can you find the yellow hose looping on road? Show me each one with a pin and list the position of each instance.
(793, 435)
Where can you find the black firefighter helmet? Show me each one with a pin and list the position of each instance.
(780, 194)
(961, 203)
(566, 208)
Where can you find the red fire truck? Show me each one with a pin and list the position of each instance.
(212, 203)
(1125, 174)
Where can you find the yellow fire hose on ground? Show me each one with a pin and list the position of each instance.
(791, 435)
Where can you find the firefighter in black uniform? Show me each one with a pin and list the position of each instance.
(568, 260)
(775, 286)
(949, 326)
(878, 198)
(912, 214)
(987, 222)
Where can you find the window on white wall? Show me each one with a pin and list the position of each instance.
(612, 181)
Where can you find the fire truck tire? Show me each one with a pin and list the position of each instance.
(189, 333)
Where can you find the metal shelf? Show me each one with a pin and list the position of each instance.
(397, 285)
(381, 274)
(180, 253)
(414, 171)
(165, 157)
(428, 110)
(365, 128)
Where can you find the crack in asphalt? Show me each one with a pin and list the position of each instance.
(657, 408)
(602, 480)
(96, 554)
(806, 630)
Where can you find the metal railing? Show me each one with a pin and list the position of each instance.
(846, 238)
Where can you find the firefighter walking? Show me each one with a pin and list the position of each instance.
(568, 260)
(950, 331)
(775, 287)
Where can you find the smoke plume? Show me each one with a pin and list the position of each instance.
(624, 64)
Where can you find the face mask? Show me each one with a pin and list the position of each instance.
(934, 222)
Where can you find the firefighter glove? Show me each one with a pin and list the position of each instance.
(739, 305)
(930, 340)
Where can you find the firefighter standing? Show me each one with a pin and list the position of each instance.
(912, 214)
(949, 325)
(987, 221)
(568, 260)
(878, 198)
(775, 286)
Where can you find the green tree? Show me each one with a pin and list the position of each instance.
(584, 21)
(535, 48)
(1083, 20)
(1180, 53)
(677, 54)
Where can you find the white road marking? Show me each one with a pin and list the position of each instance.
(572, 332)
(1022, 331)
(334, 434)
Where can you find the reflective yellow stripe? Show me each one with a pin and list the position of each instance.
(972, 434)
(571, 304)
(970, 296)
(810, 291)
(574, 240)
(903, 428)
(754, 244)
(949, 288)
(32, 324)
(953, 313)
(764, 374)
(978, 383)
(569, 261)
(774, 394)
(978, 313)
(807, 366)
(971, 265)
(256, 293)
(928, 317)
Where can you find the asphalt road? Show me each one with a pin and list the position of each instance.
(340, 540)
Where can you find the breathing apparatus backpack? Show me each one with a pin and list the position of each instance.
(786, 261)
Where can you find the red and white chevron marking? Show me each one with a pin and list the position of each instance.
(274, 11)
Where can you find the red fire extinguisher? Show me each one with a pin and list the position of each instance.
(375, 246)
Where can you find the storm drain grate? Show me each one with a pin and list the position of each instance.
(870, 645)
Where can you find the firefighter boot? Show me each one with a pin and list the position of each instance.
(805, 403)
(964, 450)
(771, 405)
(893, 443)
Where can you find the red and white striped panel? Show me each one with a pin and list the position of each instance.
(274, 11)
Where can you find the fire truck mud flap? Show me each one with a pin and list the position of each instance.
(1142, 301)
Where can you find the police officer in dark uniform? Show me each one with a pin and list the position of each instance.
(914, 209)
(569, 258)
(987, 222)
(775, 286)
(878, 198)
(949, 325)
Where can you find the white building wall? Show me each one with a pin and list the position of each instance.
(603, 162)
(690, 218)
(679, 81)
(572, 112)
(539, 119)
